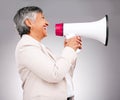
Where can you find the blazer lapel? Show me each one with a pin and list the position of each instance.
(47, 52)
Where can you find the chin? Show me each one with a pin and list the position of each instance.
(45, 34)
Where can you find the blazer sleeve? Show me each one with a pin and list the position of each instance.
(45, 67)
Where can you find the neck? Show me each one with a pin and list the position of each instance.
(37, 37)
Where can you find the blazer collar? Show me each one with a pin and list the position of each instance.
(30, 40)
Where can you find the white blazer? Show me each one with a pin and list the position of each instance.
(43, 75)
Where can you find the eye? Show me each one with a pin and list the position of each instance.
(43, 17)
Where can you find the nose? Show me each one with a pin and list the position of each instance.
(46, 22)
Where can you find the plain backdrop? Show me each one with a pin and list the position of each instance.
(97, 73)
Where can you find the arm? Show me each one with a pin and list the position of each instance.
(49, 70)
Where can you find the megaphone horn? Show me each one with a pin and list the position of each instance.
(97, 30)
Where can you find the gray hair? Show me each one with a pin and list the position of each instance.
(23, 14)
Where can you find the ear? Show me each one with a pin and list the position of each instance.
(28, 22)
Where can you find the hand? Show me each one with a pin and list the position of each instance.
(74, 42)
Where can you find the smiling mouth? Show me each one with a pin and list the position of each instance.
(45, 28)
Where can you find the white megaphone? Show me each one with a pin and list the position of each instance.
(97, 30)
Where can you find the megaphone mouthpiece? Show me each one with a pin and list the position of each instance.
(59, 29)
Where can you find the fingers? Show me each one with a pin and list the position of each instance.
(74, 42)
(79, 42)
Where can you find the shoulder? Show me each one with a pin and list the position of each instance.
(27, 40)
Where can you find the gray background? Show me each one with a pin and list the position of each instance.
(97, 74)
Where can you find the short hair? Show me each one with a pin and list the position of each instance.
(22, 14)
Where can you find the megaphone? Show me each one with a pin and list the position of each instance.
(97, 30)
